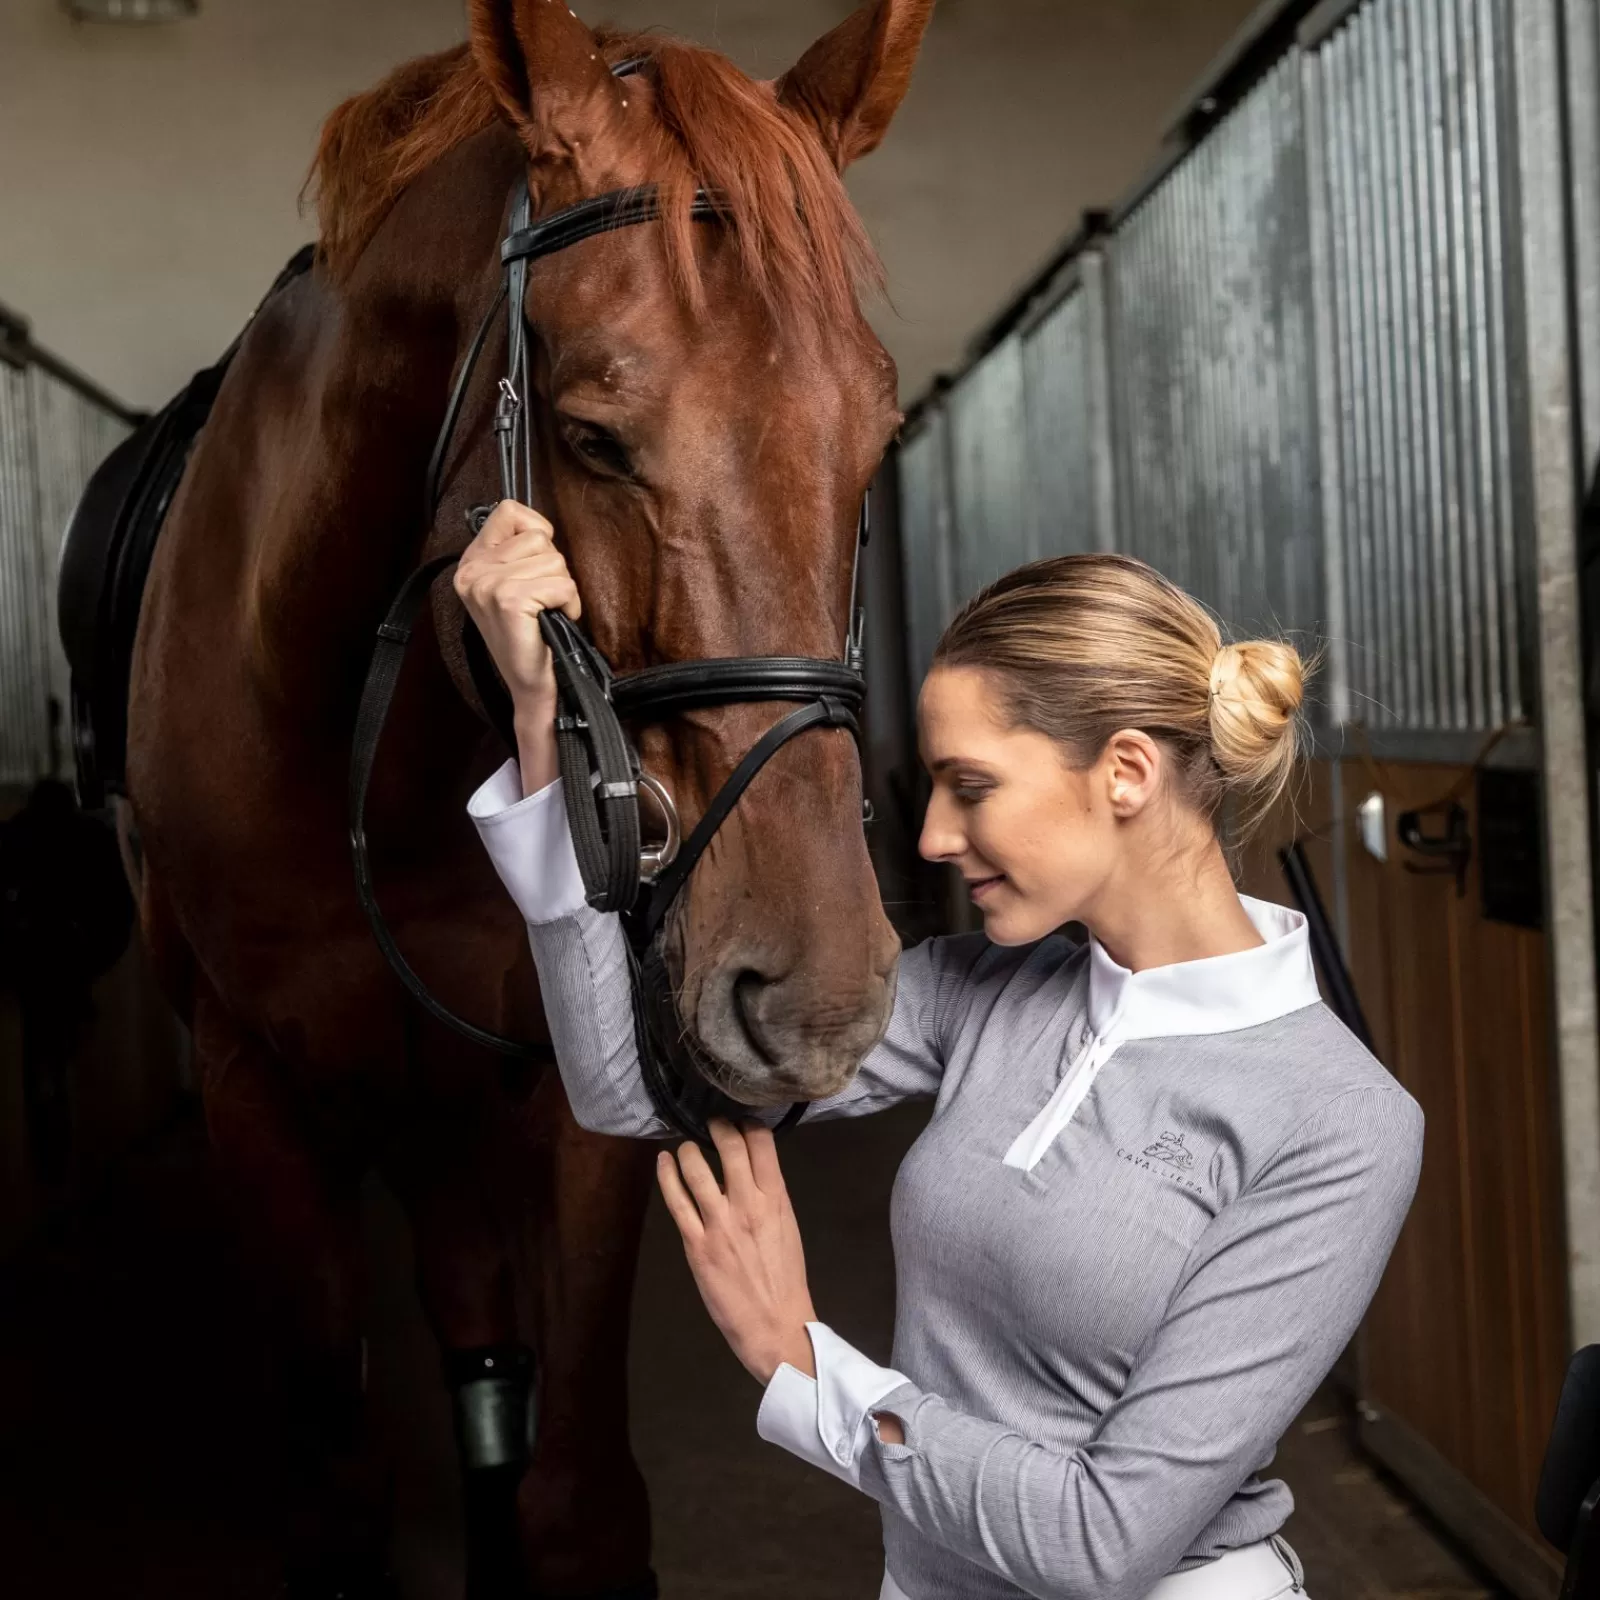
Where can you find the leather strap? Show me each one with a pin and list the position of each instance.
(511, 415)
(388, 656)
(826, 713)
(695, 685)
(605, 213)
(684, 1096)
(599, 770)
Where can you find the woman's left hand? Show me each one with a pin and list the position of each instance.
(743, 1245)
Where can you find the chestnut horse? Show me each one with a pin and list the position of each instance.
(711, 406)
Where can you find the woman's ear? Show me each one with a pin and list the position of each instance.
(1131, 764)
(546, 71)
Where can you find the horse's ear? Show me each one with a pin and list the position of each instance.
(850, 83)
(545, 69)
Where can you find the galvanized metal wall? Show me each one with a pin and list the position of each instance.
(926, 539)
(1581, 22)
(1306, 371)
(1413, 110)
(73, 436)
(51, 438)
(994, 524)
(1212, 350)
(1066, 396)
(1013, 464)
(24, 751)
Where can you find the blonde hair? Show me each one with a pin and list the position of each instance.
(1085, 646)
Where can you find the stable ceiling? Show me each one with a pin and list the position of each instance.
(149, 176)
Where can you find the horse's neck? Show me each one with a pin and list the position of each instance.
(369, 404)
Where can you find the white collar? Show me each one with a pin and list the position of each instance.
(1219, 994)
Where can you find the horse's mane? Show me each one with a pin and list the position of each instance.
(799, 238)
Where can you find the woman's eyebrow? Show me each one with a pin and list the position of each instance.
(944, 763)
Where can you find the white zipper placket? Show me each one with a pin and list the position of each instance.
(1028, 1148)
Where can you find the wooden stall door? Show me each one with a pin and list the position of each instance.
(1466, 1343)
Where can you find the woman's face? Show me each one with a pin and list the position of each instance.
(1035, 840)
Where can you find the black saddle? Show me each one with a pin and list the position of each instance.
(106, 560)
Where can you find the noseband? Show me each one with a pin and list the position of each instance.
(600, 766)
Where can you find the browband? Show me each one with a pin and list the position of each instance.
(604, 213)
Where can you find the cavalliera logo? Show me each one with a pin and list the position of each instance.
(1171, 1149)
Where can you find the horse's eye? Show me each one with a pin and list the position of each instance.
(597, 448)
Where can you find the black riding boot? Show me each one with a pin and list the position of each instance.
(492, 1389)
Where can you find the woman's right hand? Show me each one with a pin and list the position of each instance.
(507, 576)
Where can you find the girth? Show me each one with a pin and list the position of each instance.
(600, 766)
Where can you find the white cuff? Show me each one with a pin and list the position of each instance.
(826, 1420)
(788, 1417)
(530, 844)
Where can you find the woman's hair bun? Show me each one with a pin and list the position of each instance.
(1256, 691)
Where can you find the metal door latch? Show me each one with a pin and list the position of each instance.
(1448, 852)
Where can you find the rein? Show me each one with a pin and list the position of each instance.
(600, 767)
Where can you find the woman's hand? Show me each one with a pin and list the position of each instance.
(507, 576)
(743, 1245)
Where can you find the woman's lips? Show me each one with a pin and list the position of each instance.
(981, 888)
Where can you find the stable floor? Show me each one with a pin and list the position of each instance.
(132, 1406)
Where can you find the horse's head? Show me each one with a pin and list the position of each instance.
(714, 406)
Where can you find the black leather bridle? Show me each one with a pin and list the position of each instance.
(600, 766)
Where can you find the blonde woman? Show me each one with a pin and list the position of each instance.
(1160, 1182)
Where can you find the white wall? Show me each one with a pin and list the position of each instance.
(148, 176)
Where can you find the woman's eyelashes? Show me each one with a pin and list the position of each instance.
(600, 450)
(971, 791)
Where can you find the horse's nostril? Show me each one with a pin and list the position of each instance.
(787, 1023)
(749, 986)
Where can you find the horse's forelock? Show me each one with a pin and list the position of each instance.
(801, 243)
(799, 239)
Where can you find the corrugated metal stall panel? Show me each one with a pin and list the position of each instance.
(51, 439)
(926, 539)
(1069, 428)
(1212, 370)
(989, 470)
(24, 740)
(1413, 106)
(1582, 20)
(73, 436)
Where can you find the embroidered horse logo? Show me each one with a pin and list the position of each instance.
(1170, 1148)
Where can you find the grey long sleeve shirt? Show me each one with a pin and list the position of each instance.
(1147, 1214)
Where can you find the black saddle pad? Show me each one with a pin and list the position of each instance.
(105, 561)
